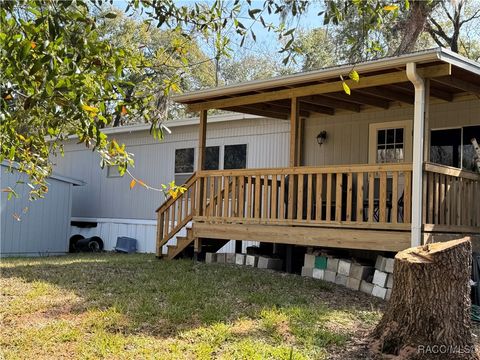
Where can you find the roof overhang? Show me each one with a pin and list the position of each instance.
(381, 82)
(14, 166)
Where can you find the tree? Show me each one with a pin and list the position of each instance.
(178, 64)
(429, 311)
(60, 77)
(314, 56)
(445, 25)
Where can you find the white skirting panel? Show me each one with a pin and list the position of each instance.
(145, 231)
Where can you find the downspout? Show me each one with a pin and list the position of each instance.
(418, 144)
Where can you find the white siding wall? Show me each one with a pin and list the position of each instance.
(123, 212)
(32, 228)
(102, 197)
(347, 132)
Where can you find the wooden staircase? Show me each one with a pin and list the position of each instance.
(183, 242)
(176, 214)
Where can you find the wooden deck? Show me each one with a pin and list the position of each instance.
(345, 238)
(356, 206)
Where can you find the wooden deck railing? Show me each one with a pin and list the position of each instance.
(175, 213)
(451, 198)
(354, 195)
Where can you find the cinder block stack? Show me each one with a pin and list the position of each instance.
(269, 263)
(210, 258)
(240, 259)
(262, 262)
(359, 273)
(221, 258)
(230, 258)
(251, 260)
(383, 277)
(315, 265)
(376, 281)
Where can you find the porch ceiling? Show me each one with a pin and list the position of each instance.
(382, 82)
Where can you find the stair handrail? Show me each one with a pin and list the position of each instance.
(163, 236)
(168, 202)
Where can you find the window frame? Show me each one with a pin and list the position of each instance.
(461, 128)
(407, 138)
(111, 168)
(187, 174)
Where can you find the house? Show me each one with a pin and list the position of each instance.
(383, 168)
(39, 227)
(107, 208)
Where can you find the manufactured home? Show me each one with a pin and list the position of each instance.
(388, 166)
(39, 227)
(105, 207)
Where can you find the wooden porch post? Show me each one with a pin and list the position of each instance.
(418, 152)
(294, 133)
(202, 136)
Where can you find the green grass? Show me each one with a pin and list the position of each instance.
(137, 307)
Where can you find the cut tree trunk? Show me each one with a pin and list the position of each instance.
(428, 316)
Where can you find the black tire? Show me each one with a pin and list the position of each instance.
(73, 242)
(95, 244)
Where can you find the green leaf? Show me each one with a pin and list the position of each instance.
(354, 76)
(110, 15)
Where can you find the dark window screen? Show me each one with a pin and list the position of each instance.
(184, 159)
(445, 146)
(235, 157)
(212, 158)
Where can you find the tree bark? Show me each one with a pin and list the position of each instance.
(428, 316)
(414, 24)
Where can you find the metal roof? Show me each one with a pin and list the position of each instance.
(54, 176)
(420, 57)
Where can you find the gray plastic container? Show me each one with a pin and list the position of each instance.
(126, 245)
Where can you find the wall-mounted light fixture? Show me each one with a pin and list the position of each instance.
(321, 137)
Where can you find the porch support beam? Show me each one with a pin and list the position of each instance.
(334, 86)
(329, 102)
(361, 99)
(390, 94)
(418, 149)
(256, 111)
(294, 132)
(202, 140)
(460, 84)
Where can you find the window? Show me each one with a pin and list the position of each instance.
(453, 147)
(390, 142)
(390, 145)
(212, 157)
(184, 163)
(112, 171)
(445, 147)
(235, 157)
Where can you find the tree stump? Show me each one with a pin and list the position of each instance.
(428, 316)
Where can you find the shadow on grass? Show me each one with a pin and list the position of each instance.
(138, 294)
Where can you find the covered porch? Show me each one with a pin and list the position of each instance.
(395, 200)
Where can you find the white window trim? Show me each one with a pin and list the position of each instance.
(407, 138)
(112, 172)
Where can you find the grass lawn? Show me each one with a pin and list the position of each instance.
(137, 307)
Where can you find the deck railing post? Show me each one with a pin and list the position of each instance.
(201, 162)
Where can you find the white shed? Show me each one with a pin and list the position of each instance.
(35, 228)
